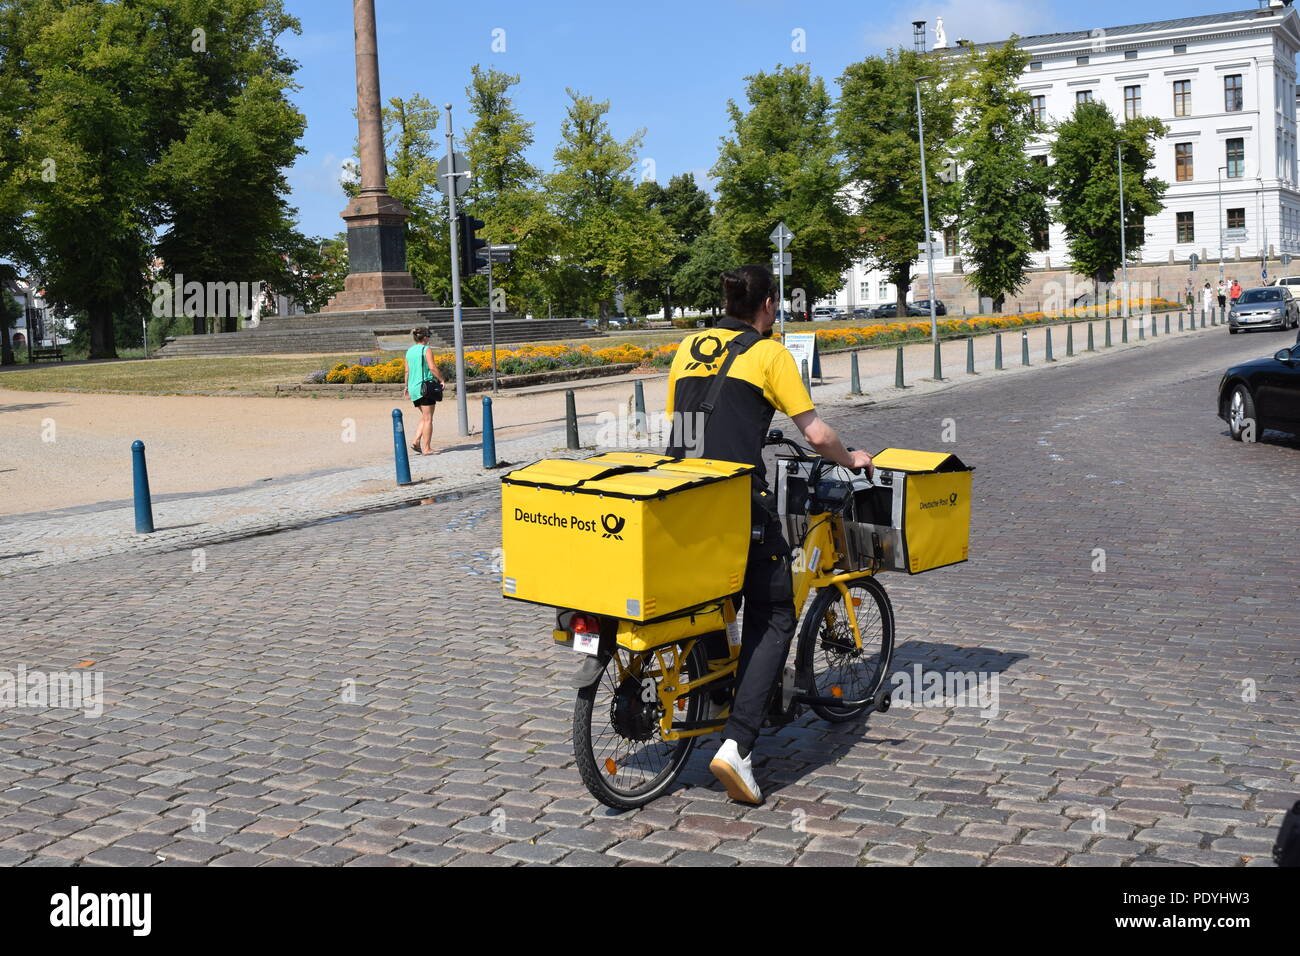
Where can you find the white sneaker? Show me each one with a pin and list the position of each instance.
(736, 773)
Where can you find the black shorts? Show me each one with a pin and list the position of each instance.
(425, 401)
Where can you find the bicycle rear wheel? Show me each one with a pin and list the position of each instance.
(828, 662)
(617, 742)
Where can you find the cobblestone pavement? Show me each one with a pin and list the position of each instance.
(39, 539)
(1147, 714)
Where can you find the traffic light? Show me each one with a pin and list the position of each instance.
(473, 254)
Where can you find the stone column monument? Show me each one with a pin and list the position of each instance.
(377, 275)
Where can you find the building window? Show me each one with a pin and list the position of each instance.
(1036, 65)
(1183, 162)
(884, 290)
(1236, 218)
(950, 241)
(864, 291)
(1083, 96)
(1236, 153)
(1132, 102)
(1130, 54)
(1182, 97)
(1233, 100)
(1041, 240)
(1180, 47)
(1186, 227)
(1038, 106)
(1081, 60)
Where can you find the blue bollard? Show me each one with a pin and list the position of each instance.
(143, 505)
(490, 435)
(399, 449)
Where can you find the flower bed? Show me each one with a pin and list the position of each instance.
(529, 359)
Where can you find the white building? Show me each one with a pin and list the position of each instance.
(1225, 86)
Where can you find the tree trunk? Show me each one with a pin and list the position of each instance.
(902, 280)
(101, 333)
(667, 303)
(6, 345)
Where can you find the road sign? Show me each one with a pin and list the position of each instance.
(1193, 261)
(461, 177)
(929, 248)
(781, 263)
(1234, 235)
(1286, 259)
(781, 235)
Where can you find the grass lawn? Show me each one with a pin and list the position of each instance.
(179, 376)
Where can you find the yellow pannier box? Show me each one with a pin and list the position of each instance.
(626, 534)
(923, 503)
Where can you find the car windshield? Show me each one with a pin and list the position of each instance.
(1261, 295)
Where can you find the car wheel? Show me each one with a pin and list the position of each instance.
(1241, 409)
(1232, 331)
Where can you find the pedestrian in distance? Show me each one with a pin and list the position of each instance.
(1207, 299)
(1235, 292)
(424, 386)
(1222, 292)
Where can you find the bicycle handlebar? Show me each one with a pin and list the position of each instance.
(776, 437)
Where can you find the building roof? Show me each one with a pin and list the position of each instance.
(1136, 29)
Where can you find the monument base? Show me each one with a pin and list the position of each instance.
(368, 291)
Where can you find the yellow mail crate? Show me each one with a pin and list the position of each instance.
(928, 506)
(630, 535)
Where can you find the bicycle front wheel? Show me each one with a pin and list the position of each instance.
(830, 664)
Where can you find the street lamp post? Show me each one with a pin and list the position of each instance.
(1222, 170)
(1123, 228)
(925, 199)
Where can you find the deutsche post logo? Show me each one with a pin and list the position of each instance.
(705, 350)
(613, 524)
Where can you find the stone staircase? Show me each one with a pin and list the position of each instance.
(358, 331)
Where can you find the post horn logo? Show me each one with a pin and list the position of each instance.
(613, 524)
(702, 356)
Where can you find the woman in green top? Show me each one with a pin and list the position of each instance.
(421, 371)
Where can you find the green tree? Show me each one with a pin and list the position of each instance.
(779, 164)
(697, 284)
(1002, 188)
(315, 269)
(504, 192)
(688, 211)
(410, 134)
(606, 236)
(1085, 185)
(877, 133)
(220, 133)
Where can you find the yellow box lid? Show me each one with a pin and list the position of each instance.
(903, 459)
(624, 474)
(643, 459)
(556, 473)
(707, 466)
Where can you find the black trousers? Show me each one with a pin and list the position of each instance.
(768, 627)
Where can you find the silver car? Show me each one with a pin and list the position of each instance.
(1267, 307)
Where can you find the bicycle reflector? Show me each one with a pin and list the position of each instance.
(584, 624)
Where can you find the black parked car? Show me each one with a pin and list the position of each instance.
(890, 311)
(1265, 390)
(924, 306)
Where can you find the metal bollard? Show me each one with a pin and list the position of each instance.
(855, 378)
(970, 355)
(938, 362)
(1155, 330)
(898, 368)
(1069, 341)
(1123, 328)
(1092, 343)
(997, 351)
(571, 420)
(490, 435)
(140, 479)
(1180, 320)
(1024, 347)
(1048, 330)
(401, 460)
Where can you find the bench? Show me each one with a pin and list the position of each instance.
(51, 352)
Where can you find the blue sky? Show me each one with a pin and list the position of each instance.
(667, 67)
